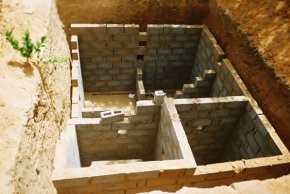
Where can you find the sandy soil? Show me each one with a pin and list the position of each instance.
(277, 186)
(267, 23)
(132, 11)
(32, 114)
(248, 57)
(113, 101)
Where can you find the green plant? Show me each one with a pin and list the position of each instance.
(27, 48)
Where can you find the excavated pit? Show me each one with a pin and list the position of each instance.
(207, 131)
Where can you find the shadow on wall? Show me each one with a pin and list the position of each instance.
(25, 66)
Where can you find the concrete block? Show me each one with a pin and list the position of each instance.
(127, 82)
(130, 58)
(140, 90)
(187, 57)
(139, 73)
(138, 64)
(163, 51)
(75, 111)
(141, 50)
(159, 97)
(95, 28)
(175, 44)
(178, 51)
(124, 125)
(143, 36)
(75, 95)
(112, 116)
(98, 59)
(155, 28)
(121, 38)
(146, 107)
(189, 44)
(125, 77)
(201, 82)
(193, 29)
(114, 45)
(154, 37)
(114, 83)
(209, 74)
(128, 70)
(131, 28)
(122, 52)
(218, 54)
(189, 88)
(105, 77)
(74, 42)
(115, 28)
(74, 76)
(173, 57)
(99, 45)
(150, 57)
(114, 59)
(153, 44)
(74, 54)
(166, 37)
(114, 71)
(131, 44)
(103, 37)
(126, 64)
(90, 66)
(141, 118)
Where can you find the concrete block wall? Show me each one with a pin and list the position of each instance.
(69, 151)
(167, 145)
(133, 138)
(201, 87)
(140, 89)
(77, 90)
(169, 55)
(108, 56)
(173, 170)
(208, 123)
(208, 53)
(73, 155)
(169, 175)
(250, 139)
(227, 82)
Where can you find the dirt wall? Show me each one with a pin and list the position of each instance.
(34, 112)
(132, 11)
(257, 72)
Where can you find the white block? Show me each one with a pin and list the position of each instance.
(159, 96)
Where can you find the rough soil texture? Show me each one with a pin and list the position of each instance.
(256, 41)
(267, 24)
(278, 186)
(32, 114)
(132, 11)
